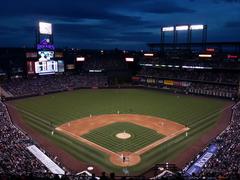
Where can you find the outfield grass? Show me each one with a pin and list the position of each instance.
(199, 113)
(106, 137)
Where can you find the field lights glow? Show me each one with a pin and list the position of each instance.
(149, 54)
(168, 29)
(197, 27)
(205, 55)
(129, 59)
(80, 59)
(182, 28)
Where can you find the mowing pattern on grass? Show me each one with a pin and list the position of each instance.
(198, 113)
(106, 137)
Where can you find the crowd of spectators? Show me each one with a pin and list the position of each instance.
(53, 83)
(213, 90)
(225, 164)
(15, 159)
(203, 82)
(188, 60)
(106, 62)
(17, 162)
(193, 75)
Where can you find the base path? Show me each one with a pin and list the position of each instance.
(77, 128)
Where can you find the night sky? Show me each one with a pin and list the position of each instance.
(108, 24)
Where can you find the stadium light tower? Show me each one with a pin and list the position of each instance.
(188, 28)
(164, 30)
(198, 27)
(180, 28)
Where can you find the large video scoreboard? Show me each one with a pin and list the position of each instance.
(45, 61)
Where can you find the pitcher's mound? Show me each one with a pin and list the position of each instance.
(125, 159)
(123, 135)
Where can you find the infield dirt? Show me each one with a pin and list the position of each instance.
(77, 128)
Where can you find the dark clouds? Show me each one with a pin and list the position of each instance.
(227, 1)
(166, 7)
(109, 24)
(233, 24)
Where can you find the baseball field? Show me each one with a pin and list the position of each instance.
(116, 128)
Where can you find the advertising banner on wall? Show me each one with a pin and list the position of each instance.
(201, 161)
(31, 55)
(168, 82)
(177, 83)
(143, 79)
(58, 54)
(30, 67)
(70, 66)
(186, 84)
(151, 81)
(135, 78)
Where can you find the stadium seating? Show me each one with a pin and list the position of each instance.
(15, 159)
(225, 164)
(202, 82)
(54, 83)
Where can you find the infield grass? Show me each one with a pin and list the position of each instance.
(106, 137)
(199, 113)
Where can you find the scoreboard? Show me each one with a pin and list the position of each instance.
(44, 61)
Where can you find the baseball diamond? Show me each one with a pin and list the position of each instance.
(84, 120)
(99, 132)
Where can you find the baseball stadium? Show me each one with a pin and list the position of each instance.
(168, 112)
(100, 126)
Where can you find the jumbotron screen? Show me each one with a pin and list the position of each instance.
(46, 67)
(45, 64)
(46, 55)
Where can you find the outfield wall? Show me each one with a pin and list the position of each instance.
(164, 89)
